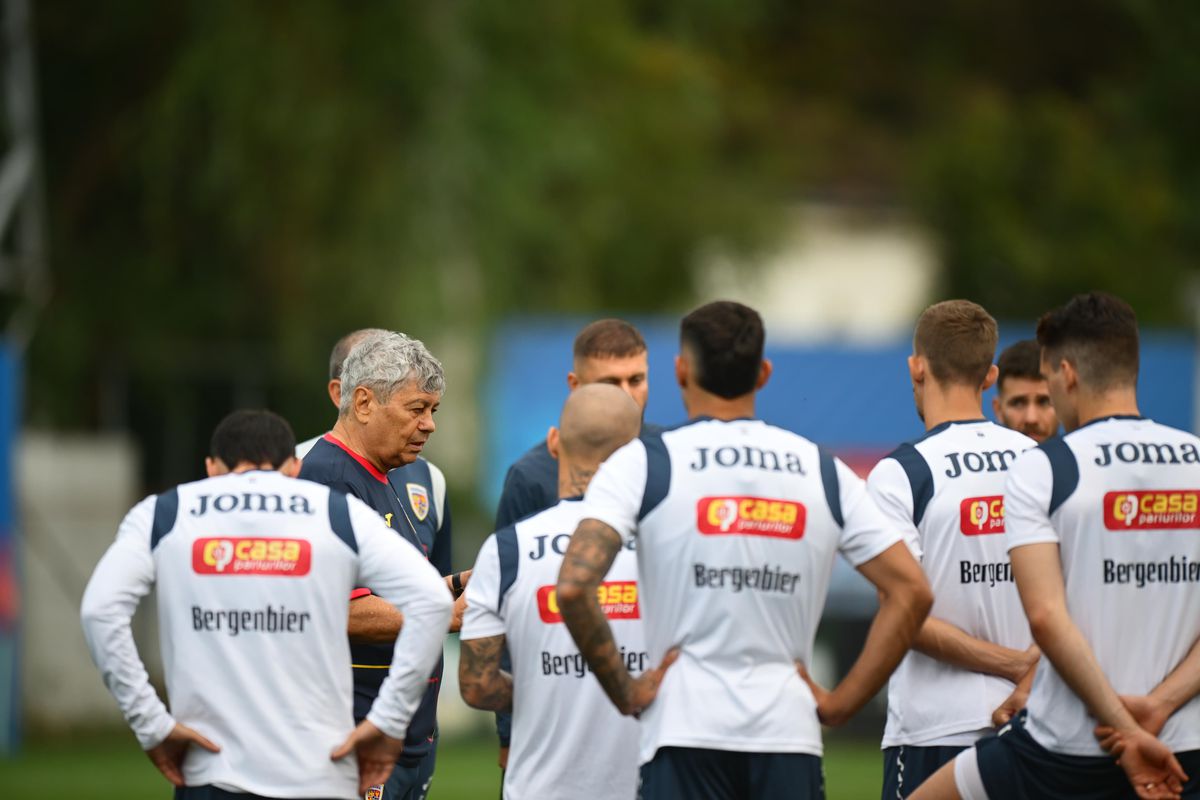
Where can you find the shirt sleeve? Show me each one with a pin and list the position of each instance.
(866, 532)
(482, 617)
(889, 488)
(615, 494)
(399, 573)
(123, 577)
(441, 556)
(1027, 493)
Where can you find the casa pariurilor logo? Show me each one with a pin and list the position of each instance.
(252, 556)
(1159, 509)
(750, 516)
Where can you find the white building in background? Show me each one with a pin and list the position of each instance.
(837, 273)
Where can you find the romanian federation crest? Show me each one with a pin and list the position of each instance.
(374, 793)
(418, 497)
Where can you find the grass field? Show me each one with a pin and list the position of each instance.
(112, 768)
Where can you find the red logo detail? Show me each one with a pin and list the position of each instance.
(1170, 509)
(751, 516)
(289, 558)
(618, 600)
(982, 515)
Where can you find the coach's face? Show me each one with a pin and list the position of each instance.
(403, 425)
(629, 374)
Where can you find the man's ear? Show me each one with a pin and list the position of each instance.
(682, 371)
(917, 367)
(361, 406)
(764, 373)
(1070, 375)
(552, 442)
(291, 467)
(573, 381)
(992, 373)
(335, 392)
(215, 467)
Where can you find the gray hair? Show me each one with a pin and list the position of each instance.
(384, 361)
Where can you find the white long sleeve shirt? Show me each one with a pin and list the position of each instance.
(254, 572)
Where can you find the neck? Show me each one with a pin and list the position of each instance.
(573, 477)
(351, 436)
(954, 403)
(700, 403)
(1114, 402)
(250, 466)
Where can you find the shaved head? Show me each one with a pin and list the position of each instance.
(597, 419)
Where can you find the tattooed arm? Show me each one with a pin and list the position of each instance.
(482, 683)
(586, 562)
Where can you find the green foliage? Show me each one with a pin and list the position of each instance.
(234, 184)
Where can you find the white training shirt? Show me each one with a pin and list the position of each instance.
(1121, 498)
(737, 525)
(568, 740)
(253, 573)
(945, 493)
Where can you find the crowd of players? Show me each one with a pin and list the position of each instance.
(642, 620)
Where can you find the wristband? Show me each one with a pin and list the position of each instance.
(456, 583)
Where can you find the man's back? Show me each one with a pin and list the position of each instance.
(945, 492)
(253, 572)
(1121, 497)
(738, 523)
(567, 739)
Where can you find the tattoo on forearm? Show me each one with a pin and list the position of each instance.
(587, 560)
(484, 685)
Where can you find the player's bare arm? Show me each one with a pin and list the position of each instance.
(457, 584)
(950, 644)
(905, 600)
(482, 683)
(586, 562)
(1151, 768)
(1154, 709)
(374, 620)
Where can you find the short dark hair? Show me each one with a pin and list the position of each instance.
(254, 436)
(337, 356)
(1097, 332)
(958, 339)
(609, 338)
(1020, 360)
(725, 340)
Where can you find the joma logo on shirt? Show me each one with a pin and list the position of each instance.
(750, 516)
(289, 558)
(746, 456)
(987, 461)
(618, 600)
(1153, 510)
(1146, 453)
(981, 515)
(251, 501)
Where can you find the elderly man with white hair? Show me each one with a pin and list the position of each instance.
(390, 388)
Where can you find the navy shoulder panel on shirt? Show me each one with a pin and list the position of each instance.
(166, 509)
(1064, 471)
(833, 492)
(506, 549)
(920, 478)
(658, 472)
(339, 519)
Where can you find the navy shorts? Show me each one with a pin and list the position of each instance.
(687, 773)
(411, 782)
(1013, 765)
(905, 768)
